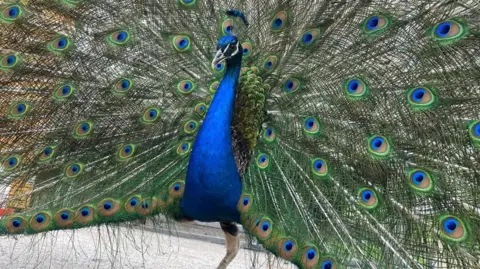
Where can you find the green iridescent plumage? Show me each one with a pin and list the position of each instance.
(150, 115)
(46, 154)
(186, 86)
(63, 92)
(10, 13)
(122, 86)
(60, 45)
(181, 43)
(249, 112)
(355, 126)
(9, 61)
(120, 37)
(18, 110)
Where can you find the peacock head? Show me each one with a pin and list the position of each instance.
(229, 49)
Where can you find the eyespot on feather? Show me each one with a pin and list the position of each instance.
(251, 222)
(291, 85)
(474, 132)
(379, 146)
(59, 45)
(449, 31)
(16, 224)
(132, 203)
(186, 86)
(62, 92)
(269, 134)
(64, 218)
(74, 170)
(219, 67)
(181, 43)
(310, 257)
(9, 61)
(420, 180)
(247, 49)
(176, 189)
(183, 148)
(244, 203)
(186, 3)
(46, 154)
(72, 2)
(10, 14)
(263, 161)
(376, 24)
(122, 86)
(453, 228)
(118, 38)
(264, 228)
(126, 151)
(287, 248)
(83, 129)
(12, 162)
(40, 221)
(270, 63)
(356, 89)
(190, 127)
(311, 126)
(309, 37)
(201, 108)
(164, 200)
(368, 198)
(421, 98)
(328, 263)
(108, 207)
(150, 115)
(18, 110)
(85, 215)
(209, 98)
(146, 206)
(214, 87)
(227, 27)
(279, 21)
(319, 167)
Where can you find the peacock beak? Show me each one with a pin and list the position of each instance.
(218, 57)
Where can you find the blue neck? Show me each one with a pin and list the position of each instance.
(213, 186)
(219, 116)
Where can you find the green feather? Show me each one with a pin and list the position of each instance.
(101, 101)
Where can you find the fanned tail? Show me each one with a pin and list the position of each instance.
(369, 156)
(100, 103)
(369, 153)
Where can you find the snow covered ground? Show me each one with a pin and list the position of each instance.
(122, 248)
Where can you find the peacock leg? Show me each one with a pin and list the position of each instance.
(232, 242)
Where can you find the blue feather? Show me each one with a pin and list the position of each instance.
(239, 14)
(213, 185)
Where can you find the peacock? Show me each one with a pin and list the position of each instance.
(338, 133)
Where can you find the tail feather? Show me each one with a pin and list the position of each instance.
(89, 123)
(368, 153)
(323, 187)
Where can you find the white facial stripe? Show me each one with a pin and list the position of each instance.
(218, 54)
(236, 50)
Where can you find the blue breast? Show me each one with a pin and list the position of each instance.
(213, 185)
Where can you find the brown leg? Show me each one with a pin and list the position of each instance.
(232, 243)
